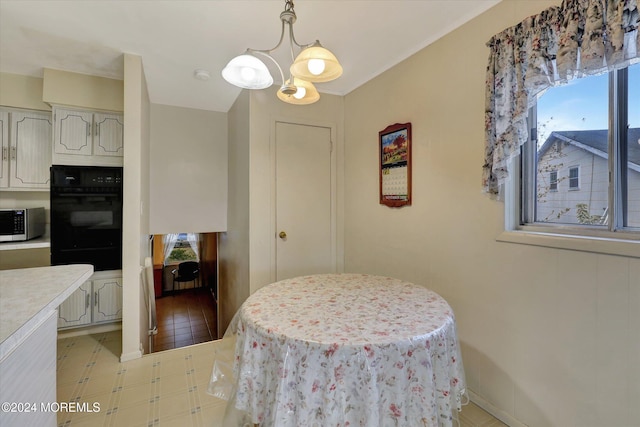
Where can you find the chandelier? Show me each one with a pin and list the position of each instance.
(314, 64)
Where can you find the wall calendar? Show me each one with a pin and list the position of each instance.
(395, 165)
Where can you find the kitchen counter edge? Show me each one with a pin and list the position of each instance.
(54, 284)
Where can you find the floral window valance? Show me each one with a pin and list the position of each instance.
(576, 39)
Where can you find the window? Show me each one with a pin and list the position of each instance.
(553, 181)
(580, 168)
(184, 249)
(574, 178)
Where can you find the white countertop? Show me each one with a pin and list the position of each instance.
(28, 295)
(43, 241)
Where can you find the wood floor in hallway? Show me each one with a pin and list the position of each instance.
(185, 317)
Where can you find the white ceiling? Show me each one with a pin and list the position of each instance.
(176, 37)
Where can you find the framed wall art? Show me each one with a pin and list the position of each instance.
(395, 165)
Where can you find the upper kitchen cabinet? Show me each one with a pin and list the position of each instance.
(26, 150)
(87, 137)
(4, 144)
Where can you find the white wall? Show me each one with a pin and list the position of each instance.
(593, 184)
(135, 242)
(188, 170)
(549, 337)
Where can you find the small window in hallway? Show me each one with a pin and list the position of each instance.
(181, 247)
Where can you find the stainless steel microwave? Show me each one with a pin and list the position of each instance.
(21, 224)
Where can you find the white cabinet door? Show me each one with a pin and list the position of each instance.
(4, 145)
(73, 132)
(30, 151)
(109, 134)
(107, 300)
(76, 310)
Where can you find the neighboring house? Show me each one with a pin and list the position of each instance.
(573, 181)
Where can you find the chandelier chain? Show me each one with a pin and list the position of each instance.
(288, 6)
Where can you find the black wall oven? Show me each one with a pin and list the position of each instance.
(86, 216)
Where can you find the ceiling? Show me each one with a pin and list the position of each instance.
(176, 37)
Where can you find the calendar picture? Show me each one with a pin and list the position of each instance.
(395, 165)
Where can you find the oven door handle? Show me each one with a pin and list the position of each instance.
(85, 194)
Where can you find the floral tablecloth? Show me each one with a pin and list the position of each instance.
(347, 350)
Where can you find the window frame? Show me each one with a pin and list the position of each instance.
(520, 192)
(576, 178)
(553, 180)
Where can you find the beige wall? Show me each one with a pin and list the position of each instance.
(247, 249)
(188, 170)
(233, 244)
(25, 258)
(82, 90)
(549, 337)
(22, 92)
(266, 108)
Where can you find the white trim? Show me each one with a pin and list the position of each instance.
(624, 243)
(503, 416)
(601, 245)
(577, 187)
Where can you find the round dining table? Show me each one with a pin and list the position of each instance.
(347, 350)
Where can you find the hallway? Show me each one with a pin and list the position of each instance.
(184, 318)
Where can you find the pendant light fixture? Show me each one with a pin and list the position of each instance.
(314, 63)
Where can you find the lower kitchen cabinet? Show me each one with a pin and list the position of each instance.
(76, 310)
(107, 300)
(98, 300)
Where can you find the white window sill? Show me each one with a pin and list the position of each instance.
(601, 245)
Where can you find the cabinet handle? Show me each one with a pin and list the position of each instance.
(88, 303)
(5, 153)
(13, 153)
(88, 129)
(95, 299)
(97, 126)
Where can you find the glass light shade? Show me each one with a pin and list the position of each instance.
(316, 64)
(248, 72)
(306, 94)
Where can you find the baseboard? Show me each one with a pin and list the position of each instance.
(93, 329)
(503, 416)
(125, 357)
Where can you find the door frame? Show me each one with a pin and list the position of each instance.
(273, 186)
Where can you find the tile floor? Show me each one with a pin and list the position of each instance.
(168, 388)
(185, 317)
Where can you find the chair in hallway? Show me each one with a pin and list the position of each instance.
(188, 271)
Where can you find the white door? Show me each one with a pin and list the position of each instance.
(305, 208)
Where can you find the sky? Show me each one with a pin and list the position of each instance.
(583, 104)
